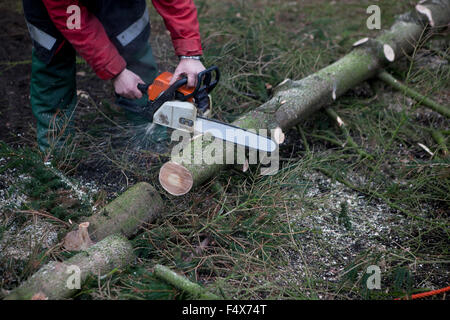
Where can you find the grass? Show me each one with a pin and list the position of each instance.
(312, 230)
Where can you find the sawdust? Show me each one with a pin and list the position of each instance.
(327, 246)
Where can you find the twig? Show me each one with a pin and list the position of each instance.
(438, 52)
(390, 80)
(44, 214)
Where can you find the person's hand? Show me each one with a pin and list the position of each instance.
(189, 68)
(125, 84)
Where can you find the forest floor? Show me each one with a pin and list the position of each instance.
(309, 232)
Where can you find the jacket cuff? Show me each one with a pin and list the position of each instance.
(187, 47)
(115, 66)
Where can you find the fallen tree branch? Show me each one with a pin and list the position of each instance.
(183, 284)
(61, 280)
(295, 100)
(390, 80)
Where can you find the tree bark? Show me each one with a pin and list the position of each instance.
(295, 100)
(57, 280)
(138, 205)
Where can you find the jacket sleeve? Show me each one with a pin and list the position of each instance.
(90, 41)
(180, 18)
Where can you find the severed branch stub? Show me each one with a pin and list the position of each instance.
(138, 205)
(390, 80)
(389, 53)
(349, 140)
(278, 136)
(78, 239)
(61, 280)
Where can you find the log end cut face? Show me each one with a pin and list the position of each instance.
(175, 178)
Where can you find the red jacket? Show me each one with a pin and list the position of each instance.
(93, 44)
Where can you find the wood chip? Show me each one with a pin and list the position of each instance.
(427, 12)
(360, 42)
(79, 239)
(389, 52)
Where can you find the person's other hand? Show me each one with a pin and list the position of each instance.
(125, 84)
(189, 68)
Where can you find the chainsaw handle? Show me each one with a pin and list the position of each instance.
(211, 85)
(204, 81)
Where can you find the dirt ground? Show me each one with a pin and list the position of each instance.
(16, 117)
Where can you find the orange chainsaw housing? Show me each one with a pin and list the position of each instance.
(161, 84)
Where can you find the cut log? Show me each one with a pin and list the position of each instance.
(278, 135)
(360, 42)
(61, 280)
(440, 140)
(175, 178)
(349, 140)
(78, 239)
(125, 214)
(294, 100)
(389, 53)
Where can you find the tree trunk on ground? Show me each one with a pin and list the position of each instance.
(295, 100)
(125, 214)
(57, 280)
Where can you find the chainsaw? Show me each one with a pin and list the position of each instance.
(188, 109)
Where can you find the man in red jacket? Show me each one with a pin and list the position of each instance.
(112, 36)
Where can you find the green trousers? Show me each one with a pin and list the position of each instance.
(53, 94)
